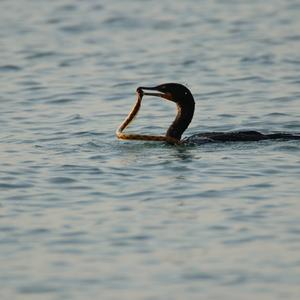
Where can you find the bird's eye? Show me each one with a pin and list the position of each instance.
(185, 93)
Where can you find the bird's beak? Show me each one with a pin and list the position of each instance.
(167, 96)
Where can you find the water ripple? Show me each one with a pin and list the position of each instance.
(41, 55)
(10, 68)
(61, 180)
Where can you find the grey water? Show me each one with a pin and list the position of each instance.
(86, 216)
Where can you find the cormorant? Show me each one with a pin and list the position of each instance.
(184, 100)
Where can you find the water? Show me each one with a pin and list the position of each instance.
(85, 216)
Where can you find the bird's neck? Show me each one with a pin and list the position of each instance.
(183, 119)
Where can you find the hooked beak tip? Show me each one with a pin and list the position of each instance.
(167, 96)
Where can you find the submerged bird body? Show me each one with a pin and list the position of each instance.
(185, 103)
(237, 136)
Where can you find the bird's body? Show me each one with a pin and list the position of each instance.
(237, 136)
(184, 100)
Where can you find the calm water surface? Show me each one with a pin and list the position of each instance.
(85, 216)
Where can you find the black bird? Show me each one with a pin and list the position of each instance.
(184, 100)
